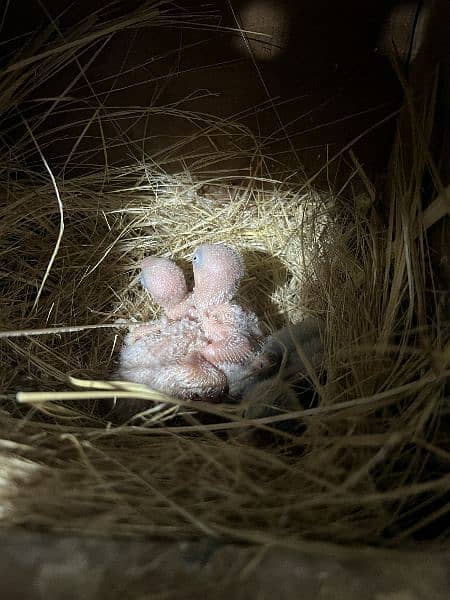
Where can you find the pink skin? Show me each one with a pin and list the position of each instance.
(165, 354)
(167, 285)
(233, 333)
(165, 282)
(205, 341)
(218, 270)
(191, 378)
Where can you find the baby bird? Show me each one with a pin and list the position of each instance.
(167, 285)
(165, 282)
(233, 333)
(204, 342)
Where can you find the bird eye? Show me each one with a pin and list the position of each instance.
(197, 258)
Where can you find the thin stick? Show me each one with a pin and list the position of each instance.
(58, 330)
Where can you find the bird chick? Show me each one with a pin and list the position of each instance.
(289, 354)
(233, 333)
(218, 270)
(165, 282)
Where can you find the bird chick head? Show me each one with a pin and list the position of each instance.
(218, 270)
(164, 280)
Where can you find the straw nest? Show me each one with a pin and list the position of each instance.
(368, 460)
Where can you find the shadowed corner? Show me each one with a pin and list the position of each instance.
(264, 274)
(186, 266)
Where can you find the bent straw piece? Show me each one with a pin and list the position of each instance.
(61, 217)
(437, 210)
(108, 385)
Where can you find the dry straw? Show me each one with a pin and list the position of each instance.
(368, 462)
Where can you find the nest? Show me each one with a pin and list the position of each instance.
(364, 462)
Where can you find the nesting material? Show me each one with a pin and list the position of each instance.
(366, 463)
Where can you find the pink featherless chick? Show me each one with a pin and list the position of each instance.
(165, 354)
(233, 333)
(165, 282)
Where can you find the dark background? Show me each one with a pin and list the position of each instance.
(330, 80)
